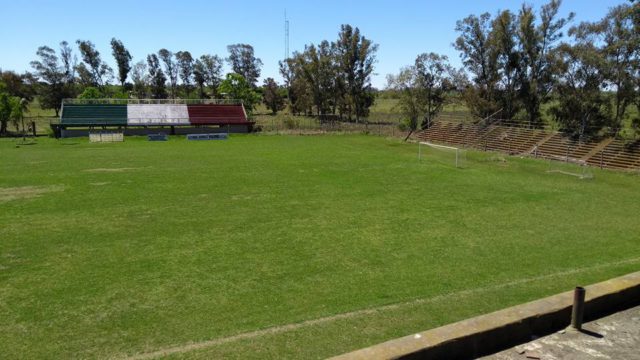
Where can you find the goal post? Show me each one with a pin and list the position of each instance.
(570, 166)
(449, 155)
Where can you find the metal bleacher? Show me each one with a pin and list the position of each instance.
(94, 115)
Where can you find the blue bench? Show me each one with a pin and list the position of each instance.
(218, 136)
(158, 137)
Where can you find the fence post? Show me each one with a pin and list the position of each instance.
(577, 312)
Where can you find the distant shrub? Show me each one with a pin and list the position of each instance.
(291, 123)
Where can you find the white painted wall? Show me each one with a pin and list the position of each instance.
(161, 114)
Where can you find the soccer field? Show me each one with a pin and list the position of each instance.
(284, 246)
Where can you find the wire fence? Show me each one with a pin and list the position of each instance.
(304, 125)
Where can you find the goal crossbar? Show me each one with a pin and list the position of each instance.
(437, 146)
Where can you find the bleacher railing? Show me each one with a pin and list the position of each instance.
(151, 101)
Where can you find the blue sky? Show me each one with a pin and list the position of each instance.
(402, 28)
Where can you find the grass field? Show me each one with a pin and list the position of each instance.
(284, 246)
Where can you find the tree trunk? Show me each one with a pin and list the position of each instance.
(408, 135)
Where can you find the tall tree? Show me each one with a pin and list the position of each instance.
(123, 60)
(140, 79)
(298, 90)
(236, 87)
(100, 72)
(504, 40)
(199, 77)
(582, 109)
(244, 62)
(432, 81)
(5, 111)
(207, 71)
(356, 56)
(52, 76)
(157, 78)
(480, 59)
(422, 89)
(185, 69)
(271, 96)
(18, 85)
(212, 69)
(536, 62)
(69, 62)
(616, 36)
(315, 66)
(171, 68)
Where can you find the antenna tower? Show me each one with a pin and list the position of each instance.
(286, 36)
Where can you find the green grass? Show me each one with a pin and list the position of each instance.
(112, 250)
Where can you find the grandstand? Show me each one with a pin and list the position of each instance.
(141, 117)
(515, 139)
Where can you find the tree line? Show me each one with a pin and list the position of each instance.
(59, 74)
(331, 78)
(518, 65)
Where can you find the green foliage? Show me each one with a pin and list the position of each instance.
(91, 93)
(291, 122)
(94, 71)
(234, 86)
(335, 77)
(170, 69)
(12, 109)
(185, 69)
(157, 79)
(356, 56)
(19, 85)
(422, 90)
(244, 62)
(271, 96)
(582, 107)
(207, 71)
(5, 111)
(140, 79)
(510, 60)
(123, 60)
(56, 81)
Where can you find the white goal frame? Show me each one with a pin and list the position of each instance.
(567, 160)
(426, 143)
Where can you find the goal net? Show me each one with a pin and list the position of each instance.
(571, 167)
(445, 155)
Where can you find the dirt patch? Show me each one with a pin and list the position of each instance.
(97, 170)
(26, 192)
(100, 183)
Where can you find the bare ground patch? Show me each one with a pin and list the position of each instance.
(107, 170)
(27, 192)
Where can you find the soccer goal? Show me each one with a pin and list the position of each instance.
(571, 167)
(447, 155)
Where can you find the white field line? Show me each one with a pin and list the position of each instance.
(352, 314)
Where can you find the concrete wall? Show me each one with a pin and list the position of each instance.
(488, 334)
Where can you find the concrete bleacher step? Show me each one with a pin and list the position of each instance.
(604, 143)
